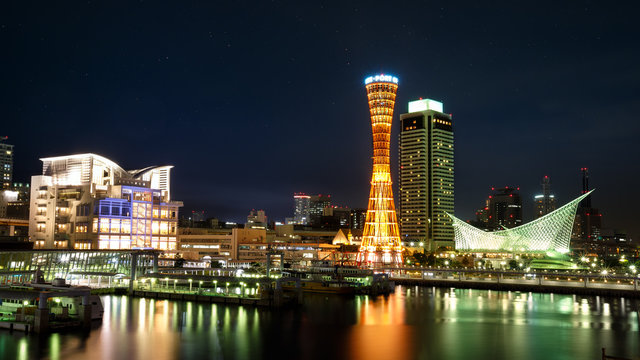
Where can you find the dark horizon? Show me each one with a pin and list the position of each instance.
(253, 102)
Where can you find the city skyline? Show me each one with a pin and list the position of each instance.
(233, 124)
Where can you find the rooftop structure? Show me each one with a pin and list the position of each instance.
(6, 163)
(551, 232)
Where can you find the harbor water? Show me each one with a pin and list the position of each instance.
(412, 323)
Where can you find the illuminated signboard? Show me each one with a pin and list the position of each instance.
(381, 78)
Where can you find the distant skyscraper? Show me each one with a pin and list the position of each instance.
(358, 218)
(336, 216)
(381, 236)
(588, 223)
(426, 174)
(505, 209)
(317, 203)
(256, 220)
(301, 212)
(546, 202)
(6, 164)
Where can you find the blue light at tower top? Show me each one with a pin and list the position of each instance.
(381, 78)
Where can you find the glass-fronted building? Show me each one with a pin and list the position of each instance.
(88, 202)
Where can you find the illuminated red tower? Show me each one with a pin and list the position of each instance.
(381, 237)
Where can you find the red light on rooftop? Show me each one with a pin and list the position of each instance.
(493, 188)
(546, 177)
(490, 197)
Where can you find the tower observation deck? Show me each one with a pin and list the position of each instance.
(381, 237)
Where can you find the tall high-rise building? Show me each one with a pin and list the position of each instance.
(301, 211)
(317, 203)
(256, 220)
(6, 164)
(381, 236)
(426, 174)
(358, 218)
(505, 208)
(86, 201)
(588, 223)
(546, 202)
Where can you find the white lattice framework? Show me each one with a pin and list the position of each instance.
(551, 232)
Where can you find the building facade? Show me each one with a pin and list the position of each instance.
(546, 202)
(426, 175)
(256, 219)
(588, 223)
(87, 201)
(317, 203)
(301, 212)
(505, 208)
(6, 164)
(357, 219)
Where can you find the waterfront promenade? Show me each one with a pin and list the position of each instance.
(548, 281)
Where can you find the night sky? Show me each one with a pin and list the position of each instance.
(252, 102)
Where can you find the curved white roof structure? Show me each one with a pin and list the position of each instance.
(550, 232)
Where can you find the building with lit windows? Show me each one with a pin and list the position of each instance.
(317, 204)
(546, 202)
(301, 208)
(551, 232)
(504, 208)
(6, 164)
(256, 220)
(588, 223)
(86, 201)
(426, 175)
(357, 218)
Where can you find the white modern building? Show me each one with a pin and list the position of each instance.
(87, 201)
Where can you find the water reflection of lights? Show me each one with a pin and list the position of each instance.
(54, 346)
(23, 351)
(380, 328)
(584, 307)
(142, 307)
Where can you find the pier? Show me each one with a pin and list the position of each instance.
(547, 281)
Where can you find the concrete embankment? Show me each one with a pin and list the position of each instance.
(505, 286)
(235, 300)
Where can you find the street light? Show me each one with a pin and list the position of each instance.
(167, 280)
(199, 285)
(190, 284)
(227, 291)
(174, 284)
(215, 285)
